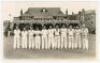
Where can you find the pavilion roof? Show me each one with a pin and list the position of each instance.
(49, 11)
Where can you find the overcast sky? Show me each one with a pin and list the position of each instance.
(13, 8)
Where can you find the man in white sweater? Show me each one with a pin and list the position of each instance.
(17, 42)
(38, 40)
(77, 42)
(51, 37)
(70, 37)
(85, 37)
(44, 38)
(31, 38)
(24, 38)
(57, 37)
(64, 41)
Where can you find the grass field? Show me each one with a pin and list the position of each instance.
(9, 52)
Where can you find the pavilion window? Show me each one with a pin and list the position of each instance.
(44, 10)
(32, 17)
(54, 17)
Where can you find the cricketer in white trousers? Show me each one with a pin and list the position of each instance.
(44, 39)
(77, 42)
(70, 38)
(51, 42)
(24, 39)
(17, 41)
(57, 38)
(31, 39)
(37, 39)
(85, 38)
(64, 42)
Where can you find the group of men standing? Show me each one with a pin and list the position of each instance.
(51, 38)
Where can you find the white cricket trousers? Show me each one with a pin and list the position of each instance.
(57, 42)
(31, 42)
(24, 42)
(71, 45)
(78, 43)
(44, 42)
(16, 43)
(85, 42)
(37, 42)
(63, 41)
(50, 42)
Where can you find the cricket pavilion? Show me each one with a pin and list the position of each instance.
(47, 16)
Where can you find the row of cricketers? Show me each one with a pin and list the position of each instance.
(52, 38)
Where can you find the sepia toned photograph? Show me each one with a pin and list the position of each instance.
(59, 30)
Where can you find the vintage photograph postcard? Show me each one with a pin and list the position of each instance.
(49, 29)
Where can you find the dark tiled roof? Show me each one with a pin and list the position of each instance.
(72, 17)
(39, 12)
